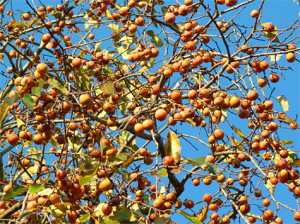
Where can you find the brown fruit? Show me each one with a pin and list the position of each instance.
(107, 209)
(269, 27)
(189, 204)
(196, 182)
(159, 203)
(13, 139)
(54, 198)
(230, 3)
(218, 134)
(252, 95)
(31, 205)
(297, 216)
(168, 161)
(242, 113)
(262, 82)
(207, 198)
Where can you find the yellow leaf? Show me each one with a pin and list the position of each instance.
(4, 110)
(203, 214)
(173, 147)
(20, 123)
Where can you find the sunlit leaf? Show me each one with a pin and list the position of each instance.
(283, 102)
(35, 188)
(83, 218)
(56, 14)
(108, 15)
(4, 110)
(107, 88)
(14, 192)
(85, 179)
(58, 86)
(201, 162)
(238, 131)
(203, 213)
(115, 28)
(36, 90)
(123, 214)
(20, 123)
(28, 101)
(129, 160)
(161, 173)
(157, 41)
(173, 147)
(124, 51)
(286, 142)
(224, 115)
(189, 217)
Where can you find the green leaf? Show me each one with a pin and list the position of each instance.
(164, 9)
(150, 33)
(34, 188)
(173, 147)
(161, 220)
(18, 24)
(10, 101)
(28, 101)
(151, 62)
(63, 90)
(14, 192)
(84, 218)
(20, 123)
(36, 90)
(85, 179)
(201, 162)
(286, 142)
(4, 111)
(238, 131)
(162, 173)
(53, 142)
(189, 217)
(56, 14)
(122, 107)
(107, 88)
(157, 41)
(119, 157)
(123, 214)
(283, 102)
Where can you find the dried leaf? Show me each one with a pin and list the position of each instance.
(173, 147)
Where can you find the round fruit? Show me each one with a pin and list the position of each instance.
(168, 161)
(207, 198)
(105, 185)
(189, 204)
(159, 203)
(269, 27)
(13, 139)
(218, 134)
(76, 62)
(254, 13)
(290, 57)
(54, 198)
(85, 99)
(268, 215)
(170, 18)
(161, 114)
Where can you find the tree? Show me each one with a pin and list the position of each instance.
(111, 110)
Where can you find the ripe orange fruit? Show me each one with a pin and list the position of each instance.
(105, 185)
(161, 114)
(170, 18)
(85, 99)
(168, 161)
(76, 62)
(13, 139)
